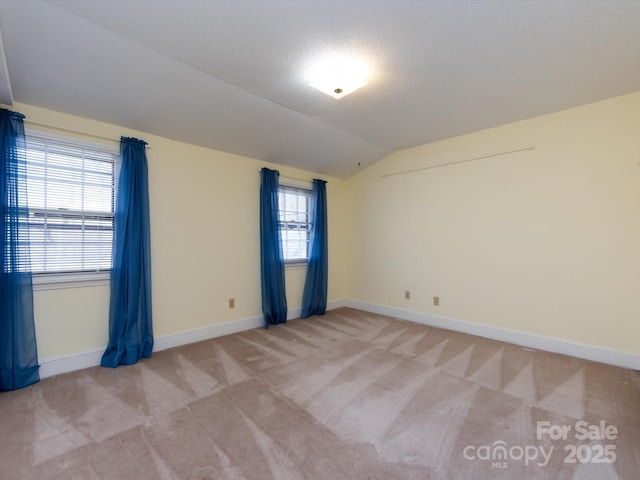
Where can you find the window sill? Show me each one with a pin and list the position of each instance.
(55, 281)
(295, 264)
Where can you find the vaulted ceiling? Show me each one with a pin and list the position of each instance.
(230, 75)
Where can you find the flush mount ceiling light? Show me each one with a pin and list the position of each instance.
(339, 76)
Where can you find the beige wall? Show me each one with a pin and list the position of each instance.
(204, 237)
(545, 241)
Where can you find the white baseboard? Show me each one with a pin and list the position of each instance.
(345, 302)
(192, 336)
(56, 366)
(539, 342)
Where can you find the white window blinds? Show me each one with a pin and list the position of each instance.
(294, 204)
(71, 195)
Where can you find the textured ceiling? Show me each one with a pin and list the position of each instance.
(230, 74)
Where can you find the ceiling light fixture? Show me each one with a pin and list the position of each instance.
(339, 76)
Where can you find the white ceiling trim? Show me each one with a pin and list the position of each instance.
(6, 95)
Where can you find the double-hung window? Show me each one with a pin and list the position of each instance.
(294, 204)
(71, 196)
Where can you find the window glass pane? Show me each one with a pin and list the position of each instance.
(70, 189)
(294, 222)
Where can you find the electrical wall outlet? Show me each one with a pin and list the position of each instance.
(232, 303)
(407, 294)
(436, 301)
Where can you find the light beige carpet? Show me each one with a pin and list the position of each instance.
(350, 395)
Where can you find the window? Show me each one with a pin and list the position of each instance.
(71, 197)
(294, 204)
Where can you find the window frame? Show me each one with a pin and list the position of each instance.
(300, 188)
(75, 279)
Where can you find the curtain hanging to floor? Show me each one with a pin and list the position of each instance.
(130, 316)
(274, 301)
(18, 350)
(314, 298)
